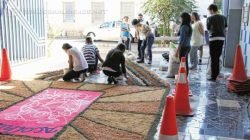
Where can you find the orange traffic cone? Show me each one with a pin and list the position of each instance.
(6, 71)
(183, 65)
(239, 73)
(182, 95)
(169, 129)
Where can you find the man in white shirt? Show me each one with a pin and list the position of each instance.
(77, 64)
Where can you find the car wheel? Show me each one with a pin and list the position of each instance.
(92, 35)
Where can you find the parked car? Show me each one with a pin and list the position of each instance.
(108, 31)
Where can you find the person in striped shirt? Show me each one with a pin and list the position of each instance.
(92, 55)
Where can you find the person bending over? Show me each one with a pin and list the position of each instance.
(148, 40)
(114, 65)
(92, 55)
(78, 65)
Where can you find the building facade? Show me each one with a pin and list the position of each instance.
(238, 14)
(72, 17)
(245, 33)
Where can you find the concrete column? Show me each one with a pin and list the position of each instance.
(225, 7)
(234, 26)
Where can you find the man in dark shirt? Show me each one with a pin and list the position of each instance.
(114, 65)
(216, 25)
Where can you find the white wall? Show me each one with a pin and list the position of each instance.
(203, 5)
(83, 20)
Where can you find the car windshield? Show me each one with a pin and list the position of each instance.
(105, 25)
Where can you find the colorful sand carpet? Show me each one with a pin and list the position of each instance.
(121, 112)
(138, 75)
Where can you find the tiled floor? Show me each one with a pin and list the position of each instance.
(219, 115)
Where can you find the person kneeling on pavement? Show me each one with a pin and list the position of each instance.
(114, 65)
(78, 65)
(92, 55)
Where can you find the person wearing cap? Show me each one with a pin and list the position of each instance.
(148, 40)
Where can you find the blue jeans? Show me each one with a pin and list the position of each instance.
(148, 43)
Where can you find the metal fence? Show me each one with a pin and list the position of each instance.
(22, 29)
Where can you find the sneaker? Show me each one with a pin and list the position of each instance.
(211, 79)
(200, 61)
(76, 80)
(114, 80)
(149, 62)
(140, 61)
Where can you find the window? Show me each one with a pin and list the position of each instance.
(105, 25)
(97, 12)
(128, 9)
(69, 12)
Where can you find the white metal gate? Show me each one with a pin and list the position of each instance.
(22, 29)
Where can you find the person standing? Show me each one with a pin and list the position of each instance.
(196, 39)
(216, 25)
(77, 64)
(185, 34)
(206, 38)
(92, 55)
(139, 35)
(125, 32)
(148, 40)
(114, 65)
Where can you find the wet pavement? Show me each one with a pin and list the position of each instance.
(217, 113)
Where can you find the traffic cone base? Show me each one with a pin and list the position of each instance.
(185, 114)
(239, 73)
(190, 93)
(231, 78)
(182, 103)
(163, 137)
(169, 129)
